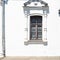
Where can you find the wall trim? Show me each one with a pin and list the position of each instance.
(35, 42)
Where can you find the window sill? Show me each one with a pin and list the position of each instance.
(35, 42)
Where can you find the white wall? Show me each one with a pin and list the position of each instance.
(15, 31)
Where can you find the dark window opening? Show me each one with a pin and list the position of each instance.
(36, 27)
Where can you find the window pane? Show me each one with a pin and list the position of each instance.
(39, 33)
(39, 29)
(33, 20)
(33, 25)
(39, 24)
(33, 35)
(39, 19)
(33, 29)
(39, 36)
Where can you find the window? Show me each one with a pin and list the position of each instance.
(35, 27)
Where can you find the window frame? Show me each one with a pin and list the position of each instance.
(36, 28)
(28, 41)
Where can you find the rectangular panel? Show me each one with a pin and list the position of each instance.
(33, 32)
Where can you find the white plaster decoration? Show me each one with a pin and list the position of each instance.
(44, 28)
(28, 8)
(39, 11)
(26, 27)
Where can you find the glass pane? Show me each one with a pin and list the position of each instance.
(33, 35)
(39, 33)
(33, 29)
(39, 19)
(33, 20)
(33, 25)
(39, 29)
(40, 36)
(39, 24)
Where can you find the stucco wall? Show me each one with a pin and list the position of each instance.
(15, 31)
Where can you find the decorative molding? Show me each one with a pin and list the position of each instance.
(29, 2)
(27, 12)
(35, 42)
(28, 8)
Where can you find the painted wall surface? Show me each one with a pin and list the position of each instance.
(15, 31)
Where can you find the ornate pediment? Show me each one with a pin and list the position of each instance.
(27, 7)
(30, 1)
